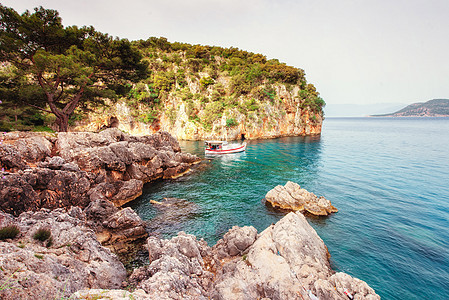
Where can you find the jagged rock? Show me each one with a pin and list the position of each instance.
(293, 197)
(177, 269)
(121, 230)
(108, 164)
(72, 261)
(118, 192)
(100, 209)
(35, 188)
(119, 157)
(16, 194)
(236, 241)
(288, 260)
(30, 147)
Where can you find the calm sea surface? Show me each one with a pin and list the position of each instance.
(388, 177)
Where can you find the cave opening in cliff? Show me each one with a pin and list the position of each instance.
(242, 137)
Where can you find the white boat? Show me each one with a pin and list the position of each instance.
(222, 147)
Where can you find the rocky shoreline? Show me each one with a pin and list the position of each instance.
(76, 168)
(71, 187)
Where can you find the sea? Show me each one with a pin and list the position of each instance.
(389, 178)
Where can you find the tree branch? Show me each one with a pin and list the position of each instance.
(38, 107)
(62, 91)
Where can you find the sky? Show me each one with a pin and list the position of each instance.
(354, 52)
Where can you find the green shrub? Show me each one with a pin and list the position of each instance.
(148, 117)
(240, 85)
(164, 80)
(42, 234)
(181, 78)
(206, 81)
(9, 232)
(231, 122)
(252, 105)
(212, 112)
(39, 256)
(49, 242)
(43, 129)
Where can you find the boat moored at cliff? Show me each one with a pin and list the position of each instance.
(222, 147)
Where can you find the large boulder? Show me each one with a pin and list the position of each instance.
(292, 197)
(287, 261)
(39, 170)
(19, 150)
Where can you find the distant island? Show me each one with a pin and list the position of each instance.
(431, 108)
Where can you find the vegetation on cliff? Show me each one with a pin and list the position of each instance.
(70, 71)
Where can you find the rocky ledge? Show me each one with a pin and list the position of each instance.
(288, 260)
(292, 197)
(76, 168)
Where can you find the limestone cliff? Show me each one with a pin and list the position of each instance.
(200, 92)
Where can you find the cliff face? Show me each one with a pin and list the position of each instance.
(200, 92)
(281, 117)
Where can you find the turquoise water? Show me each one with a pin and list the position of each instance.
(388, 177)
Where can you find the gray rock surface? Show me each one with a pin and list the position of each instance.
(288, 260)
(118, 156)
(73, 260)
(78, 167)
(177, 269)
(101, 294)
(293, 197)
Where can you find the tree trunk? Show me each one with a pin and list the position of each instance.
(63, 122)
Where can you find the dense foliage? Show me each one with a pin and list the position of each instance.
(53, 74)
(228, 78)
(55, 69)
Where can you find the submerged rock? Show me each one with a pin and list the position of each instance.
(293, 197)
(172, 214)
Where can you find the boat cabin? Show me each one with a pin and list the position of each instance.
(215, 145)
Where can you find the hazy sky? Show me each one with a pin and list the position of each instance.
(361, 52)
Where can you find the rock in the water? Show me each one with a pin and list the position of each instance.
(172, 215)
(293, 197)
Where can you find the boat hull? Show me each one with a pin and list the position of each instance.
(226, 151)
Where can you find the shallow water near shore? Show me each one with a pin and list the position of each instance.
(388, 177)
